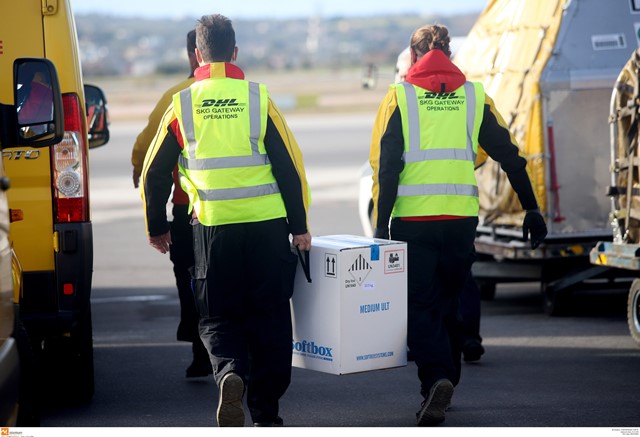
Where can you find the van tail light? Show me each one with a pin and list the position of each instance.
(69, 166)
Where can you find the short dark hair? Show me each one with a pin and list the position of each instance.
(215, 38)
(191, 42)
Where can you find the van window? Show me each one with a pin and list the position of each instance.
(34, 93)
(37, 94)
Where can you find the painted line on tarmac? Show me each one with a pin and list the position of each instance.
(99, 345)
(142, 298)
(565, 342)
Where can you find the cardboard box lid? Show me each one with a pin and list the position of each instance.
(346, 242)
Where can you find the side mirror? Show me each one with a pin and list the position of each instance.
(97, 116)
(38, 103)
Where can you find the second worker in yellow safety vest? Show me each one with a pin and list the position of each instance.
(423, 152)
(243, 172)
(181, 252)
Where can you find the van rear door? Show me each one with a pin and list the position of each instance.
(28, 168)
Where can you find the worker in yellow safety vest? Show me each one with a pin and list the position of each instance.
(423, 153)
(471, 340)
(243, 173)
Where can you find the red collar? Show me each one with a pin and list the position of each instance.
(434, 70)
(218, 70)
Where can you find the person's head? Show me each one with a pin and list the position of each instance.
(215, 39)
(427, 38)
(191, 49)
(402, 65)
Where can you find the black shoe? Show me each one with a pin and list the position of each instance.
(230, 408)
(472, 350)
(199, 368)
(201, 365)
(434, 406)
(276, 422)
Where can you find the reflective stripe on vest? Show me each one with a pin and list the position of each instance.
(416, 193)
(438, 190)
(244, 177)
(239, 193)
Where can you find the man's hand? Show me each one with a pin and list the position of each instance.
(534, 223)
(302, 242)
(161, 243)
(136, 178)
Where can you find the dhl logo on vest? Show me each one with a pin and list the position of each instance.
(441, 101)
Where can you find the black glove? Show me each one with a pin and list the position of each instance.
(534, 223)
(382, 233)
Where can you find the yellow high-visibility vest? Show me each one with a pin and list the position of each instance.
(440, 145)
(224, 167)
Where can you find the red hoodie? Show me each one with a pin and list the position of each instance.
(435, 72)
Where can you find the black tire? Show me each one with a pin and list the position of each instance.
(71, 358)
(633, 310)
(83, 349)
(29, 397)
(556, 303)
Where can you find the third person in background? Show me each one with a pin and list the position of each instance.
(423, 152)
(181, 251)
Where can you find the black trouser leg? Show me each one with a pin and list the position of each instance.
(470, 310)
(270, 367)
(244, 280)
(181, 255)
(440, 254)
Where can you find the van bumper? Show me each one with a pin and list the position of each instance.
(54, 301)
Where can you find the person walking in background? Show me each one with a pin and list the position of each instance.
(470, 310)
(181, 251)
(244, 175)
(423, 152)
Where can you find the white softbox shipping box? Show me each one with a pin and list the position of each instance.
(352, 317)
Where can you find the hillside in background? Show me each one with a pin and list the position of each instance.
(116, 46)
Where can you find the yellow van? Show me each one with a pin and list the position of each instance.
(49, 208)
(21, 124)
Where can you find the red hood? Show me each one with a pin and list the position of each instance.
(433, 71)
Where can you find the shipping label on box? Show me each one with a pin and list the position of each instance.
(352, 317)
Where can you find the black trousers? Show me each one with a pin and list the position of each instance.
(181, 255)
(470, 308)
(440, 255)
(244, 277)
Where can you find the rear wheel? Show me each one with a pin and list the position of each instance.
(556, 303)
(29, 400)
(70, 361)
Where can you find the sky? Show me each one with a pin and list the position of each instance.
(256, 9)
